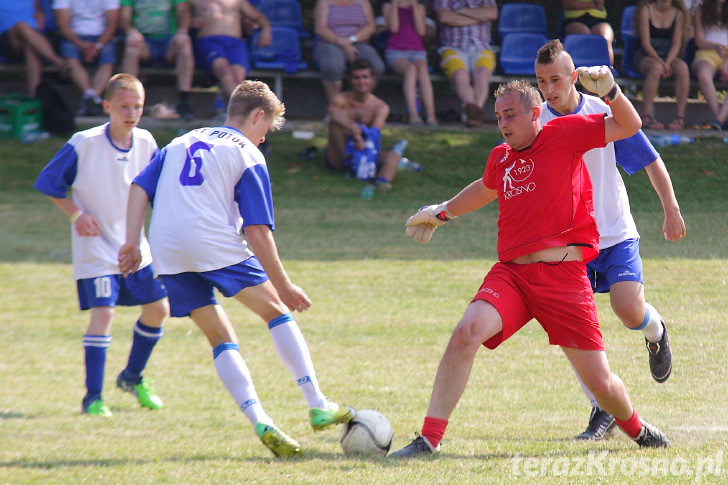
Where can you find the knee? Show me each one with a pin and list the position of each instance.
(466, 335)
(602, 385)
(461, 76)
(154, 314)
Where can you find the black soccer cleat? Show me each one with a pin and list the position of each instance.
(601, 423)
(419, 447)
(651, 437)
(660, 356)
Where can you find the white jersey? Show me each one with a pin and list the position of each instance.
(205, 186)
(611, 204)
(99, 175)
(88, 17)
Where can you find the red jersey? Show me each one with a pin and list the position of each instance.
(545, 195)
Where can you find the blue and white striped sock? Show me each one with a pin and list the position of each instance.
(294, 354)
(94, 347)
(652, 324)
(143, 341)
(235, 375)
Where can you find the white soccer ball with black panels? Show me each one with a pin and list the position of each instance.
(369, 433)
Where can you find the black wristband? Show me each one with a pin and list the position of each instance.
(612, 94)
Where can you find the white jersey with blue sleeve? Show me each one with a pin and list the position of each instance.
(99, 175)
(205, 186)
(611, 204)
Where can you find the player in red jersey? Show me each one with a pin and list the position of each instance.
(546, 233)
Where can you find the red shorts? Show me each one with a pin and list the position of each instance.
(558, 295)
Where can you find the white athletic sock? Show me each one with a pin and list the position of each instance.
(652, 325)
(294, 354)
(90, 93)
(589, 394)
(235, 375)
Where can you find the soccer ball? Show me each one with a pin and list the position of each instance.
(369, 433)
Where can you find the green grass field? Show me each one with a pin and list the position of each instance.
(383, 309)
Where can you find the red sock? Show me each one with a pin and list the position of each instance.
(632, 426)
(433, 429)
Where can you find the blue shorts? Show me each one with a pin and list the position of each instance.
(106, 56)
(621, 262)
(412, 56)
(158, 48)
(189, 291)
(139, 288)
(207, 49)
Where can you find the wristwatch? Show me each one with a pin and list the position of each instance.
(352, 38)
(99, 45)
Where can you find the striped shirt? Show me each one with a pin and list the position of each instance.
(471, 37)
(346, 20)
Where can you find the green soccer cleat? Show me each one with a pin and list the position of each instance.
(322, 418)
(142, 390)
(279, 443)
(95, 407)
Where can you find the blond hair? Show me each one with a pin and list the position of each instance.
(529, 95)
(249, 96)
(122, 81)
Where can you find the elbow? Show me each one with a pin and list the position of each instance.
(634, 126)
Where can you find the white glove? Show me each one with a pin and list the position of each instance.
(596, 79)
(421, 225)
(421, 232)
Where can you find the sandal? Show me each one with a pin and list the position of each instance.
(649, 123)
(415, 121)
(677, 124)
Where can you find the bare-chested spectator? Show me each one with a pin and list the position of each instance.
(159, 32)
(220, 48)
(357, 117)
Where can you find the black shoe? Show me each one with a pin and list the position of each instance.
(660, 356)
(184, 110)
(651, 437)
(600, 424)
(419, 446)
(89, 107)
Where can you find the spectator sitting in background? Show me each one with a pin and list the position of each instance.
(711, 40)
(661, 25)
(588, 17)
(357, 117)
(220, 48)
(21, 24)
(87, 30)
(343, 29)
(465, 27)
(406, 55)
(160, 32)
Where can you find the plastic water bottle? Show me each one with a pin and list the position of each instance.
(368, 191)
(400, 147)
(408, 165)
(33, 136)
(667, 140)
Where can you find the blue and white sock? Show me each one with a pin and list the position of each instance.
(294, 354)
(94, 347)
(143, 341)
(652, 324)
(235, 375)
